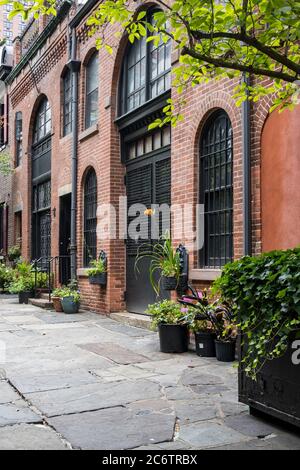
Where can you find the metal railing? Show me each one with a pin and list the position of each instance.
(51, 272)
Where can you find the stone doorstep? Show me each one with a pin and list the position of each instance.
(132, 319)
(141, 321)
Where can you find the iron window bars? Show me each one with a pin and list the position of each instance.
(216, 191)
(90, 217)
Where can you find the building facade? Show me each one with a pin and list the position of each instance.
(84, 156)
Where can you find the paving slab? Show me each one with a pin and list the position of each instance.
(128, 372)
(114, 352)
(251, 425)
(30, 437)
(92, 397)
(115, 428)
(204, 435)
(7, 393)
(17, 412)
(30, 383)
(127, 330)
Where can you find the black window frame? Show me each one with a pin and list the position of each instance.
(216, 191)
(18, 138)
(90, 218)
(67, 102)
(42, 121)
(150, 81)
(91, 95)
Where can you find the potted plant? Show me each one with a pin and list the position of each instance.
(56, 297)
(70, 298)
(265, 291)
(14, 253)
(172, 322)
(23, 282)
(226, 331)
(164, 261)
(97, 273)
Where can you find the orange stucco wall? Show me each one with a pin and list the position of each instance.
(280, 180)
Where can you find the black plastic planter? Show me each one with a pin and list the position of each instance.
(100, 279)
(205, 344)
(68, 305)
(169, 283)
(276, 391)
(25, 296)
(173, 338)
(225, 352)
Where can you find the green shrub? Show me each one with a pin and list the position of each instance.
(169, 312)
(265, 291)
(6, 276)
(63, 291)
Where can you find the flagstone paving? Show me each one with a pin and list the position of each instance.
(88, 382)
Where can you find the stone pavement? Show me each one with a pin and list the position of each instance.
(88, 382)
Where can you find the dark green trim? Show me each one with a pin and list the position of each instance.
(41, 39)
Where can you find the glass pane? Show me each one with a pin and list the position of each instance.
(157, 140)
(166, 136)
(148, 144)
(140, 147)
(131, 151)
(92, 74)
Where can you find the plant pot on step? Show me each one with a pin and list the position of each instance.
(169, 283)
(69, 305)
(205, 344)
(57, 304)
(100, 279)
(225, 351)
(173, 338)
(24, 296)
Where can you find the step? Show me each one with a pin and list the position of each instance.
(44, 295)
(42, 303)
(132, 319)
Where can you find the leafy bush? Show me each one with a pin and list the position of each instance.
(6, 276)
(265, 291)
(64, 291)
(169, 312)
(14, 253)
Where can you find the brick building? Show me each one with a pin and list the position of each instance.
(79, 139)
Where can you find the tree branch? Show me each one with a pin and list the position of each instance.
(250, 41)
(235, 66)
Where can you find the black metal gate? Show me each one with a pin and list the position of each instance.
(148, 183)
(64, 239)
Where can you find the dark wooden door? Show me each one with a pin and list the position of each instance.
(148, 183)
(64, 239)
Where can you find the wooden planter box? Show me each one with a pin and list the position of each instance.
(276, 391)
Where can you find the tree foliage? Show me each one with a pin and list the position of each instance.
(216, 39)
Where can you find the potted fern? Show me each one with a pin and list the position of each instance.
(164, 261)
(23, 282)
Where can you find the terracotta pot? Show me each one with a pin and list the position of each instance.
(57, 304)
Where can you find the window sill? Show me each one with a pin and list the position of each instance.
(88, 132)
(82, 272)
(204, 274)
(65, 138)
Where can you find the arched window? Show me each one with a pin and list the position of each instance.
(67, 102)
(216, 191)
(146, 71)
(43, 121)
(90, 217)
(91, 101)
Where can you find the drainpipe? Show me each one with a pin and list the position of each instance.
(246, 148)
(74, 66)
